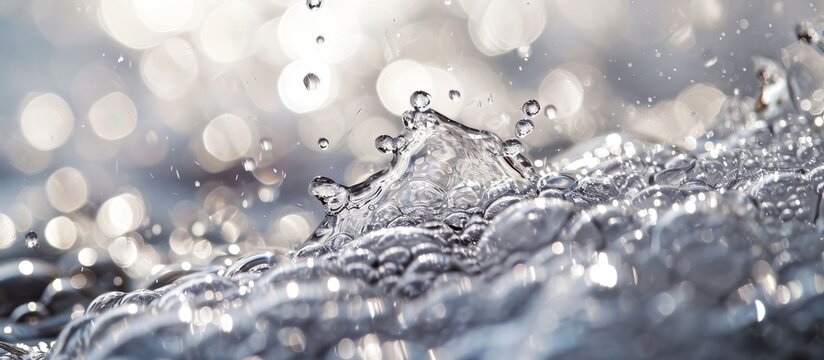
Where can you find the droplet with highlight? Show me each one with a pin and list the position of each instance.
(524, 127)
(454, 94)
(249, 164)
(512, 147)
(313, 4)
(266, 144)
(420, 100)
(311, 81)
(323, 143)
(31, 239)
(531, 108)
(551, 112)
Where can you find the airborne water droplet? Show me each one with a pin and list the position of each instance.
(420, 100)
(454, 94)
(249, 164)
(523, 127)
(320, 40)
(385, 144)
(323, 143)
(31, 239)
(313, 4)
(551, 112)
(512, 147)
(266, 144)
(531, 108)
(311, 81)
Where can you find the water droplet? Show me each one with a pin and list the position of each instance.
(454, 94)
(331, 194)
(524, 52)
(249, 164)
(523, 127)
(311, 81)
(31, 239)
(323, 143)
(320, 40)
(512, 147)
(551, 112)
(385, 144)
(420, 100)
(531, 108)
(266, 144)
(313, 4)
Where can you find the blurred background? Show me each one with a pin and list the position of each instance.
(146, 132)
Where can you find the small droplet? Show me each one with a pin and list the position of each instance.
(512, 147)
(420, 100)
(454, 94)
(266, 144)
(523, 127)
(31, 239)
(385, 144)
(551, 112)
(311, 81)
(323, 144)
(249, 164)
(531, 108)
(313, 4)
(524, 52)
(320, 40)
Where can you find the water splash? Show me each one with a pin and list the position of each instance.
(462, 249)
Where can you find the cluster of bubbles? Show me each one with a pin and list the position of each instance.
(463, 249)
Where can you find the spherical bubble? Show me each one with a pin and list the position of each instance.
(170, 69)
(67, 189)
(46, 122)
(227, 32)
(61, 233)
(164, 15)
(113, 117)
(7, 231)
(227, 137)
(562, 89)
(296, 95)
(120, 214)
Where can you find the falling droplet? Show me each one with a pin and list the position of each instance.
(323, 144)
(320, 40)
(524, 127)
(385, 144)
(531, 108)
(313, 4)
(311, 81)
(249, 164)
(31, 239)
(420, 100)
(512, 147)
(454, 94)
(266, 144)
(551, 112)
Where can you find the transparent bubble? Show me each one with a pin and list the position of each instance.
(531, 108)
(420, 100)
(323, 143)
(524, 127)
(385, 144)
(551, 112)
